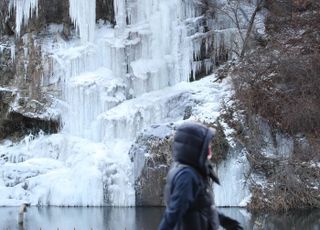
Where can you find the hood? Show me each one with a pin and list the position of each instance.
(190, 145)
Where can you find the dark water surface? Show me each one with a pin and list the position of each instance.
(53, 218)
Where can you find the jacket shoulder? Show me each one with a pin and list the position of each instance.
(187, 173)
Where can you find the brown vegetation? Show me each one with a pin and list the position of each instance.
(291, 184)
(220, 145)
(280, 83)
(285, 91)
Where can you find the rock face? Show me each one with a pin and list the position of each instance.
(27, 97)
(5, 99)
(152, 157)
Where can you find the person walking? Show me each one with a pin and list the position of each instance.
(188, 191)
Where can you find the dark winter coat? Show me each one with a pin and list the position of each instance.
(188, 191)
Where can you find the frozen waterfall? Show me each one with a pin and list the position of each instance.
(115, 81)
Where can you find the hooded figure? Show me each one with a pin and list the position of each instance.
(188, 191)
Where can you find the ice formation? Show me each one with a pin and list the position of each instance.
(114, 82)
(24, 10)
(233, 190)
(83, 15)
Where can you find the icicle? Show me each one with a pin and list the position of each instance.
(24, 10)
(83, 15)
(120, 13)
(197, 48)
(208, 65)
(13, 52)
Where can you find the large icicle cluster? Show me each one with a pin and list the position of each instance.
(83, 15)
(24, 10)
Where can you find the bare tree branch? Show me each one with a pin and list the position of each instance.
(250, 26)
(234, 11)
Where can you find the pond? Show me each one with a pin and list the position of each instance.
(53, 218)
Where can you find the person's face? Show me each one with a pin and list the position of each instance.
(209, 152)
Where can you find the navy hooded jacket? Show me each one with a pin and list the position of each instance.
(188, 194)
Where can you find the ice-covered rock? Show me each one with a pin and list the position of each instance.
(152, 156)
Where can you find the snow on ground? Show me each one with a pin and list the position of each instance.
(55, 169)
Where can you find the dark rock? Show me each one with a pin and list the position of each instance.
(152, 158)
(6, 23)
(16, 126)
(6, 97)
(7, 69)
(104, 11)
(187, 112)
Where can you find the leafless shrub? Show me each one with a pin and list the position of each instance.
(220, 145)
(290, 184)
(285, 91)
(301, 87)
(303, 5)
(307, 149)
(235, 13)
(281, 84)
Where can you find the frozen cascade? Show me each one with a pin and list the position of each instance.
(115, 82)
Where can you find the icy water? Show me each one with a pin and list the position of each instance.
(53, 218)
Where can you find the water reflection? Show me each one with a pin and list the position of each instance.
(302, 219)
(292, 220)
(53, 218)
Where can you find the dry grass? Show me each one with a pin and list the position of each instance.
(290, 184)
